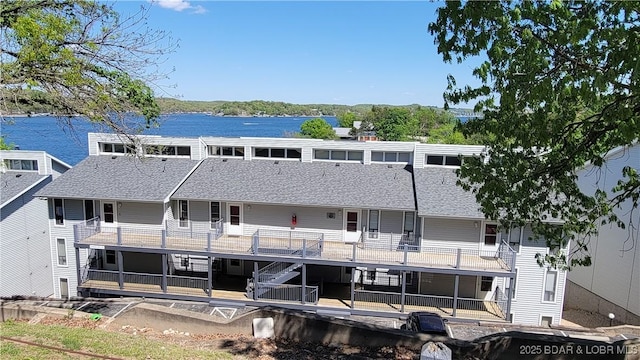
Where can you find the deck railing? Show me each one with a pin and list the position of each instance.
(302, 244)
(287, 292)
(145, 282)
(289, 243)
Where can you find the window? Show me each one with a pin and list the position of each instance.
(490, 234)
(278, 153)
(183, 213)
(116, 148)
(88, 210)
(512, 283)
(374, 223)
(226, 151)
(215, 213)
(64, 288)
(167, 150)
(108, 212)
(58, 210)
(546, 321)
(62, 251)
(390, 156)
(352, 221)
(515, 238)
(550, 285)
(486, 283)
(234, 214)
(111, 257)
(371, 275)
(28, 165)
(448, 160)
(350, 155)
(408, 222)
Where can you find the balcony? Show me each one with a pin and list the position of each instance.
(386, 249)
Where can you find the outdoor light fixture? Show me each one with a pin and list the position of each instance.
(611, 317)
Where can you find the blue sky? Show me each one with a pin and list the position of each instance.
(303, 52)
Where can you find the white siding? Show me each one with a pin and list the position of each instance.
(529, 306)
(74, 214)
(25, 252)
(464, 234)
(615, 273)
(279, 218)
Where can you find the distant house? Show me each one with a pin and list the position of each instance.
(355, 133)
(25, 243)
(612, 283)
(362, 228)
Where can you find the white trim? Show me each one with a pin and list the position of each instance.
(66, 254)
(55, 221)
(545, 315)
(44, 177)
(544, 286)
(515, 282)
(60, 287)
(188, 220)
(219, 213)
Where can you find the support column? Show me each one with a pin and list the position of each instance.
(509, 295)
(404, 291)
(353, 286)
(120, 269)
(164, 273)
(209, 275)
(255, 280)
(455, 295)
(78, 269)
(304, 283)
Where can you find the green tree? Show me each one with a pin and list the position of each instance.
(558, 90)
(79, 57)
(446, 134)
(391, 123)
(317, 128)
(346, 119)
(4, 145)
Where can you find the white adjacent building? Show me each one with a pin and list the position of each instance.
(25, 243)
(612, 283)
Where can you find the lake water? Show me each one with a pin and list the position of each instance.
(47, 134)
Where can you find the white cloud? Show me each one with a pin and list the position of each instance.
(179, 5)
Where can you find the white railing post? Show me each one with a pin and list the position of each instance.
(458, 257)
(406, 252)
(304, 247)
(164, 238)
(119, 232)
(353, 255)
(209, 241)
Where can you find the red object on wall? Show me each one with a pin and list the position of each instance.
(294, 220)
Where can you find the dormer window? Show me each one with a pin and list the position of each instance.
(167, 150)
(443, 160)
(278, 153)
(344, 155)
(116, 148)
(21, 165)
(391, 156)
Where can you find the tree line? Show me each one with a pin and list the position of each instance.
(410, 123)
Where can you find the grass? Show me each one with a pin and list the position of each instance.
(93, 341)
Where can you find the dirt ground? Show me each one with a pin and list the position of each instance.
(245, 347)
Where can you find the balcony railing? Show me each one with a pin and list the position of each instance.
(387, 249)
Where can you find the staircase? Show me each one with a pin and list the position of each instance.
(273, 274)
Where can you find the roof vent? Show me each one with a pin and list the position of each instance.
(113, 156)
(337, 164)
(276, 162)
(164, 159)
(224, 160)
(18, 175)
(390, 166)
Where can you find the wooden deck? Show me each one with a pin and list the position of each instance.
(290, 250)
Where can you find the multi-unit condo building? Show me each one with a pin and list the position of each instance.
(340, 227)
(611, 285)
(25, 241)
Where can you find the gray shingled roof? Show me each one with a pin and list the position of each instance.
(301, 183)
(14, 183)
(120, 178)
(438, 194)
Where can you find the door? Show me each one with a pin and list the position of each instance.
(109, 215)
(352, 230)
(234, 267)
(235, 219)
(64, 288)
